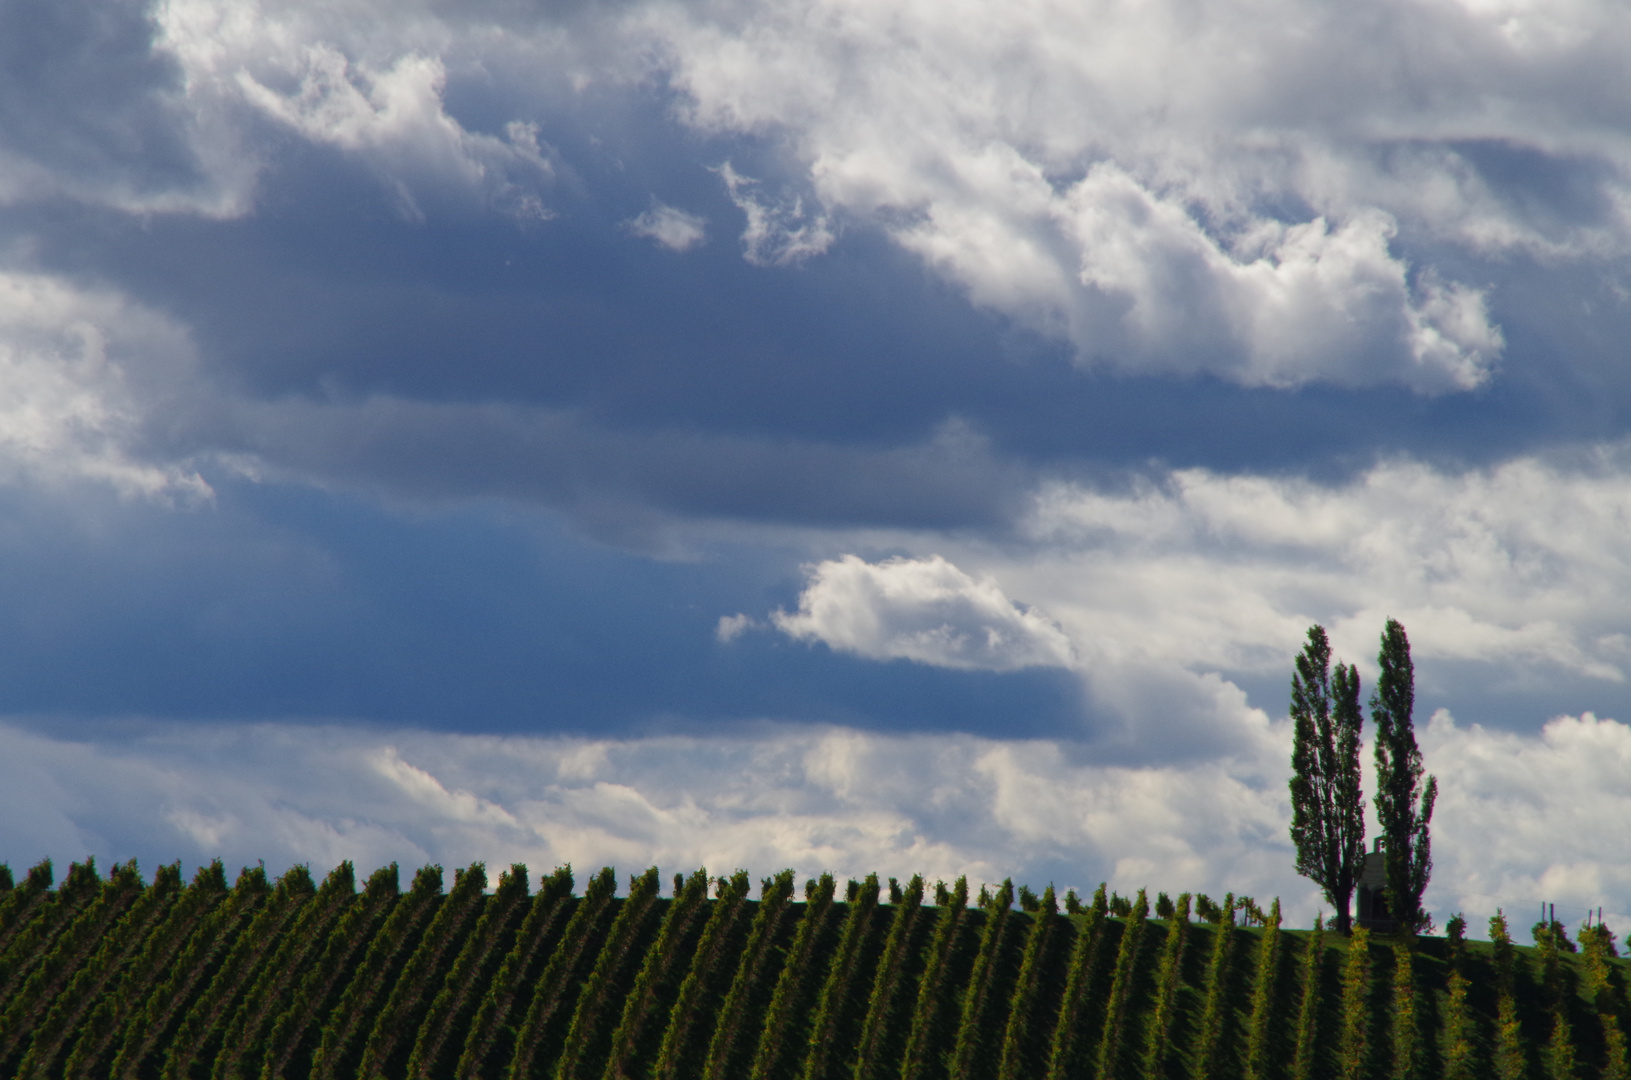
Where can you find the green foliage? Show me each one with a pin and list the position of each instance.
(396, 1027)
(31, 945)
(1264, 979)
(1458, 1022)
(96, 1040)
(1327, 807)
(42, 1015)
(936, 998)
(1404, 805)
(1073, 1033)
(537, 1038)
(1158, 1030)
(878, 1050)
(296, 981)
(1112, 1040)
(1597, 945)
(1215, 1016)
(1458, 1051)
(203, 1029)
(744, 1003)
(645, 1006)
(1406, 1034)
(590, 1032)
(539, 930)
(245, 1043)
(1302, 1064)
(437, 1046)
(712, 970)
(979, 997)
(1510, 1056)
(1021, 1046)
(150, 1027)
(783, 1036)
(1353, 1050)
(838, 1001)
(1560, 1058)
(344, 1033)
(18, 903)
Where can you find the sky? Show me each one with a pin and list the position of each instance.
(852, 435)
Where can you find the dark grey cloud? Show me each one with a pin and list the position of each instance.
(391, 259)
(89, 109)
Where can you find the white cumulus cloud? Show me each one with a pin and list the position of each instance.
(669, 227)
(925, 610)
(1519, 566)
(1180, 599)
(1233, 190)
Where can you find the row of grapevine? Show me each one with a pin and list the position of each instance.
(742, 1010)
(645, 1009)
(1034, 1002)
(43, 1013)
(204, 1026)
(150, 1029)
(538, 1034)
(1216, 1017)
(127, 990)
(292, 980)
(1265, 984)
(486, 1046)
(244, 1041)
(786, 1026)
(972, 1052)
(441, 1036)
(397, 1025)
(937, 990)
(33, 939)
(294, 1032)
(1168, 977)
(589, 1035)
(1077, 1026)
(847, 970)
(695, 1002)
(879, 1046)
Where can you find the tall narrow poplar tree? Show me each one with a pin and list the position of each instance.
(1404, 805)
(1327, 807)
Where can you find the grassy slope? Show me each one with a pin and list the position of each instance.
(839, 1058)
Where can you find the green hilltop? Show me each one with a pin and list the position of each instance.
(294, 979)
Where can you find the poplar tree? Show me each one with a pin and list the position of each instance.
(1404, 805)
(1327, 807)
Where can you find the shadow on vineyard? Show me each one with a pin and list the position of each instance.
(211, 980)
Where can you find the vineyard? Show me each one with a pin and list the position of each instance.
(168, 980)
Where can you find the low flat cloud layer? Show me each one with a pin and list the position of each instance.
(1005, 394)
(1519, 821)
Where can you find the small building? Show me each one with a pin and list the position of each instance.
(1373, 913)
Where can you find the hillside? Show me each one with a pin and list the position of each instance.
(295, 978)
